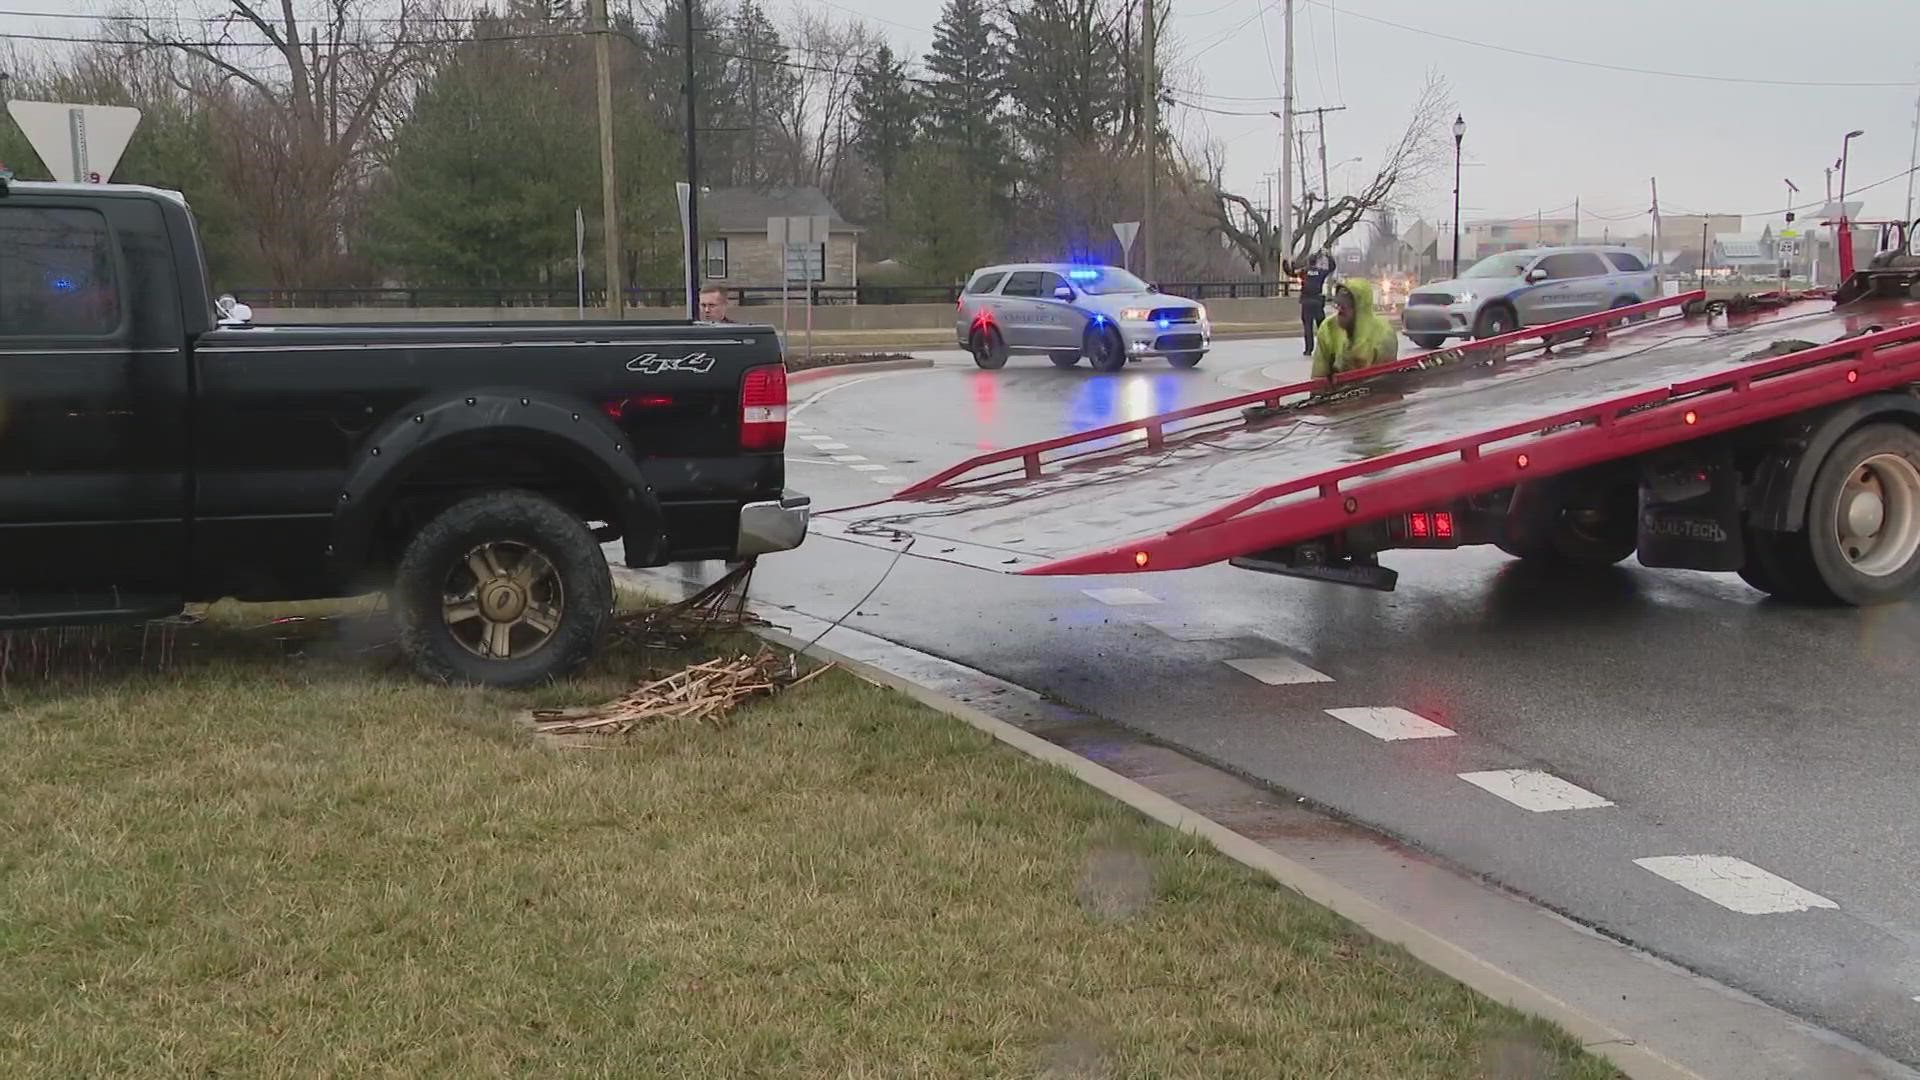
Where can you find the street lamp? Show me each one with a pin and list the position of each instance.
(1845, 145)
(1459, 135)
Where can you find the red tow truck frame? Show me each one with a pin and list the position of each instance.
(1878, 351)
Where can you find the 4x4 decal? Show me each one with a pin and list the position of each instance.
(654, 363)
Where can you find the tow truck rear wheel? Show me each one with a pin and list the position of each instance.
(1104, 349)
(506, 589)
(1863, 516)
(989, 348)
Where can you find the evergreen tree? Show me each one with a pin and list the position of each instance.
(965, 92)
(886, 114)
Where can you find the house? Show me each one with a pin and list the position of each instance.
(733, 238)
(1747, 254)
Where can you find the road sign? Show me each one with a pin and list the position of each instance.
(810, 229)
(804, 263)
(76, 142)
(1126, 231)
(1787, 249)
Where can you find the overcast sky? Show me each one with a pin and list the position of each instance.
(1540, 132)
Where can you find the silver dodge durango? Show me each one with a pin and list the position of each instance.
(1066, 311)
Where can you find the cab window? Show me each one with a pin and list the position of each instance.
(56, 273)
(1628, 264)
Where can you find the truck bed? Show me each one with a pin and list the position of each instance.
(1210, 482)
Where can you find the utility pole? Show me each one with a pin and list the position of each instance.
(1654, 183)
(1539, 226)
(1286, 141)
(609, 190)
(693, 175)
(1913, 159)
(1576, 219)
(1150, 121)
(1320, 120)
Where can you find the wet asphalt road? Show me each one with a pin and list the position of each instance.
(1711, 721)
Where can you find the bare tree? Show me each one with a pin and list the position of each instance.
(303, 105)
(817, 124)
(1405, 166)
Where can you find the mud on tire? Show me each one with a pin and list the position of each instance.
(506, 572)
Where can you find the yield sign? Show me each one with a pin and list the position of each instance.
(77, 142)
(1126, 231)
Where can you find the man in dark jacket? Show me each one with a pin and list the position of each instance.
(1313, 293)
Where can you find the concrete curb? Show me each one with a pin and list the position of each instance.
(831, 370)
(1436, 952)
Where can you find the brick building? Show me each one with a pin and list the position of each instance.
(733, 238)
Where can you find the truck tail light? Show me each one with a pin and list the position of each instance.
(763, 408)
(1429, 526)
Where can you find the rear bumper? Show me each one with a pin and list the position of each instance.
(775, 525)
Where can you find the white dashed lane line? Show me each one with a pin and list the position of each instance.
(1122, 597)
(1200, 631)
(1391, 723)
(1277, 670)
(869, 467)
(1734, 884)
(829, 446)
(1530, 789)
(849, 457)
(892, 481)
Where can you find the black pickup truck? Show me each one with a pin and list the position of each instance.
(153, 454)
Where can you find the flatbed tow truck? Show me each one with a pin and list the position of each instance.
(1776, 436)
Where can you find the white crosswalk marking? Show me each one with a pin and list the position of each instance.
(893, 481)
(817, 438)
(1277, 670)
(1391, 723)
(1533, 790)
(849, 457)
(1734, 884)
(829, 446)
(869, 467)
(1122, 597)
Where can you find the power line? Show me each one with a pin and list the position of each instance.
(1697, 76)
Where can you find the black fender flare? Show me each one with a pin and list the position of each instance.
(573, 429)
(1783, 481)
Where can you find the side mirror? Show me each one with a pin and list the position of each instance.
(232, 312)
(1537, 274)
(1063, 292)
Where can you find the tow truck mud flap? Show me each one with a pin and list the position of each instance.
(1313, 564)
(1690, 513)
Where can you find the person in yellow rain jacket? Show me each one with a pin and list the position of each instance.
(1356, 337)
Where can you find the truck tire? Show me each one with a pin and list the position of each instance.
(1428, 341)
(989, 348)
(1781, 565)
(1494, 320)
(1104, 349)
(1863, 516)
(1186, 359)
(1064, 359)
(505, 572)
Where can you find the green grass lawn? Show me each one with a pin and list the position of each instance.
(281, 855)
